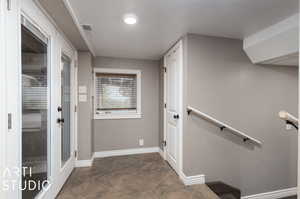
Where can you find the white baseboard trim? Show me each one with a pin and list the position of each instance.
(274, 194)
(103, 154)
(84, 163)
(192, 180)
(161, 153)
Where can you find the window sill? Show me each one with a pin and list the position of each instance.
(117, 116)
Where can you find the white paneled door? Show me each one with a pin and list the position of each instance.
(173, 105)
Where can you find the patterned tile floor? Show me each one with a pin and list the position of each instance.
(145, 176)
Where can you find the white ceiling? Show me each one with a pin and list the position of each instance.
(162, 22)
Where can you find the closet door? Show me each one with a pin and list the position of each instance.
(174, 104)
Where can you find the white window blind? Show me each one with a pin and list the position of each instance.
(116, 92)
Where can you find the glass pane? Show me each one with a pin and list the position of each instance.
(34, 113)
(116, 91)
(66, 108)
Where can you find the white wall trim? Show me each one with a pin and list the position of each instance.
(161, 153)
(192, 180)
(84, 163)
(103, 154)
(274, 194)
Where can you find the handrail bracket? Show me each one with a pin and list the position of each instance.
(292, 123)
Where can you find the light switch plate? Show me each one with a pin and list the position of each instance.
(141, 142)
(82, 89)
(82, 98)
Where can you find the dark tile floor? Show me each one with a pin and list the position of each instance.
(145, 176)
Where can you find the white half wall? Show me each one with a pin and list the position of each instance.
(277, 44)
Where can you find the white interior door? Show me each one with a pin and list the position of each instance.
(173, 112)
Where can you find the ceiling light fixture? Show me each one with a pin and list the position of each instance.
(130, 19)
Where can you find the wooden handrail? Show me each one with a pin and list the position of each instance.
(223, 126)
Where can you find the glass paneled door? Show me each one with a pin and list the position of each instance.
(35, 106)
(65, 109)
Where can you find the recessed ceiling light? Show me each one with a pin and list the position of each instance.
(130, 19)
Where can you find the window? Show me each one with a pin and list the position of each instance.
(117, 93)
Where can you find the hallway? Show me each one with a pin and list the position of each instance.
(145, 176)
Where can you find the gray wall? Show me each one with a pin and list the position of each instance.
(125, 133)
(85, 108)
(221, 81)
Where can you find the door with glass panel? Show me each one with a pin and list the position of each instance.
(66, 116)
(35, 110)
(65, 109)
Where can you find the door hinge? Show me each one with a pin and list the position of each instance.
(75, 109)
(9, 121)
(164, 143)
(75, 153)
(165, 105)
(165, 68)
(8, 5)
(75, 63)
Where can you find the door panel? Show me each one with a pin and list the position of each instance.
(173, 108)
(66, 109)
(35, 103)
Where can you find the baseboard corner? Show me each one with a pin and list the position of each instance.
(161, 153)
(85, 163)
(192, 180)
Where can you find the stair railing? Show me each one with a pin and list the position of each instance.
(223, 126)
(289, 119)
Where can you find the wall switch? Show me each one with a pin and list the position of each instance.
(141, 142)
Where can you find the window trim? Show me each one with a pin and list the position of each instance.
(125, 114)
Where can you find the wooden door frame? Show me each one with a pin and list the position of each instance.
(179, 46)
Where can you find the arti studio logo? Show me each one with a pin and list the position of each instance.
(26, 180)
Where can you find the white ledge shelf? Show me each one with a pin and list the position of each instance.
(223, 126)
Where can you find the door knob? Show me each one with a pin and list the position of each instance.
(176, 116)
(60, 120)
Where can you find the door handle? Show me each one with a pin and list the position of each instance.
(60, 120)
(176, 116)
(59, 109)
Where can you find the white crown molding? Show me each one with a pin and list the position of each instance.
(192, 180)
(274, 194)
(103, 154)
